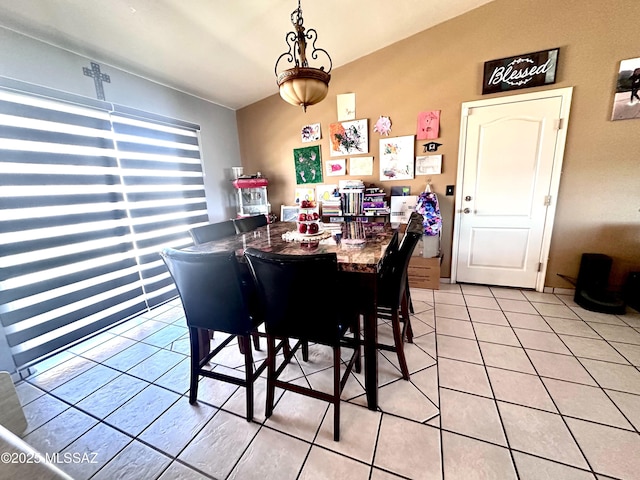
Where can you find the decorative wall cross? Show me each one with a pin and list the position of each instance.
(98, 78)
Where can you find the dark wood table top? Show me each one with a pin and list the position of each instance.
(362, 259)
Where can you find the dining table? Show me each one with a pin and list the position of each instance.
(358, 266)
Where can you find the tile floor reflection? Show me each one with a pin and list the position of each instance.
(505, 383)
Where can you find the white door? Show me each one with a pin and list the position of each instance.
(511, 152)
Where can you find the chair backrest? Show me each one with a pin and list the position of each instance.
(415, 223)
(210, 289)
(246, 224)
(288, 296)
(392, 278)
(392, 247)
(212, 231)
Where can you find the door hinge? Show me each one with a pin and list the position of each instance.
(559, 124)
(547, 200)
(540, 267)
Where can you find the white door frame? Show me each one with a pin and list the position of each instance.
(565, 94)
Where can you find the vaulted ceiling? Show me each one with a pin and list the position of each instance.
(223, 51)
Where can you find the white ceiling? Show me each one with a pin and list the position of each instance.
(220, 50)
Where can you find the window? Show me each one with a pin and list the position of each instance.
(89, 193)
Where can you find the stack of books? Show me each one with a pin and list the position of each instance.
(332, 207)
(352, 195)
(374, 202)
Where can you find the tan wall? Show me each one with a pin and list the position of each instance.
(438, 69)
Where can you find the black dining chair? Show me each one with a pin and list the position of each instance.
(246, 224)
(208, 233)
(285, 283)
(213, 299)
(392, 249)
(392, 299)
(212, 231)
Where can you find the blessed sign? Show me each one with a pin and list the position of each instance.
(522, 71)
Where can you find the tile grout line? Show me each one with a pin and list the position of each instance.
(553, 400)
(312, 443)
(493, 394)
(578, 358)
(435, 340)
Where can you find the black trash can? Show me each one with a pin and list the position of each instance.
(632, 290)
(592, 285)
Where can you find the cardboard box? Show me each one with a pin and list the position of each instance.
(424, 272)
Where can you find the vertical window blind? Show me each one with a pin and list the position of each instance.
(87, 199)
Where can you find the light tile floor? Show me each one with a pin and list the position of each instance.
(505, 383)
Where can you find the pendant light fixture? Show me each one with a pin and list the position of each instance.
(301, 84)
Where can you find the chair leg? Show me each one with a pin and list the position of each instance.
(336, 393)
(248, 365)
(409, 331)
(408, 295)
(397, 338)
(241, 345)
(356, 336)
(194, 339)
(406, 318)
(271, 373)
(305, 350)
(204, 342)
(256, 341)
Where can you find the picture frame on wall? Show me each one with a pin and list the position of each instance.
(327, 192)
(520, 71)
(349, 138)
(626, 99)
(304, 193)
(429, 165)
(308, 164)
(336, 168)
(397, 158)
(346, 106)
(361, 166)
(310, 133)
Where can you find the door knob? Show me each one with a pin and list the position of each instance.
(466, 210)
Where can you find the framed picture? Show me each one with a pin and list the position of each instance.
(346, 103)
(325, 193)
(361, 166)
(396, 158)
(308, 164)
(349, 138)
(429, 165)
(288, 213)
(310, 133)
(336, 167)
(428, 125)
(304, 193)
(626, 100)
